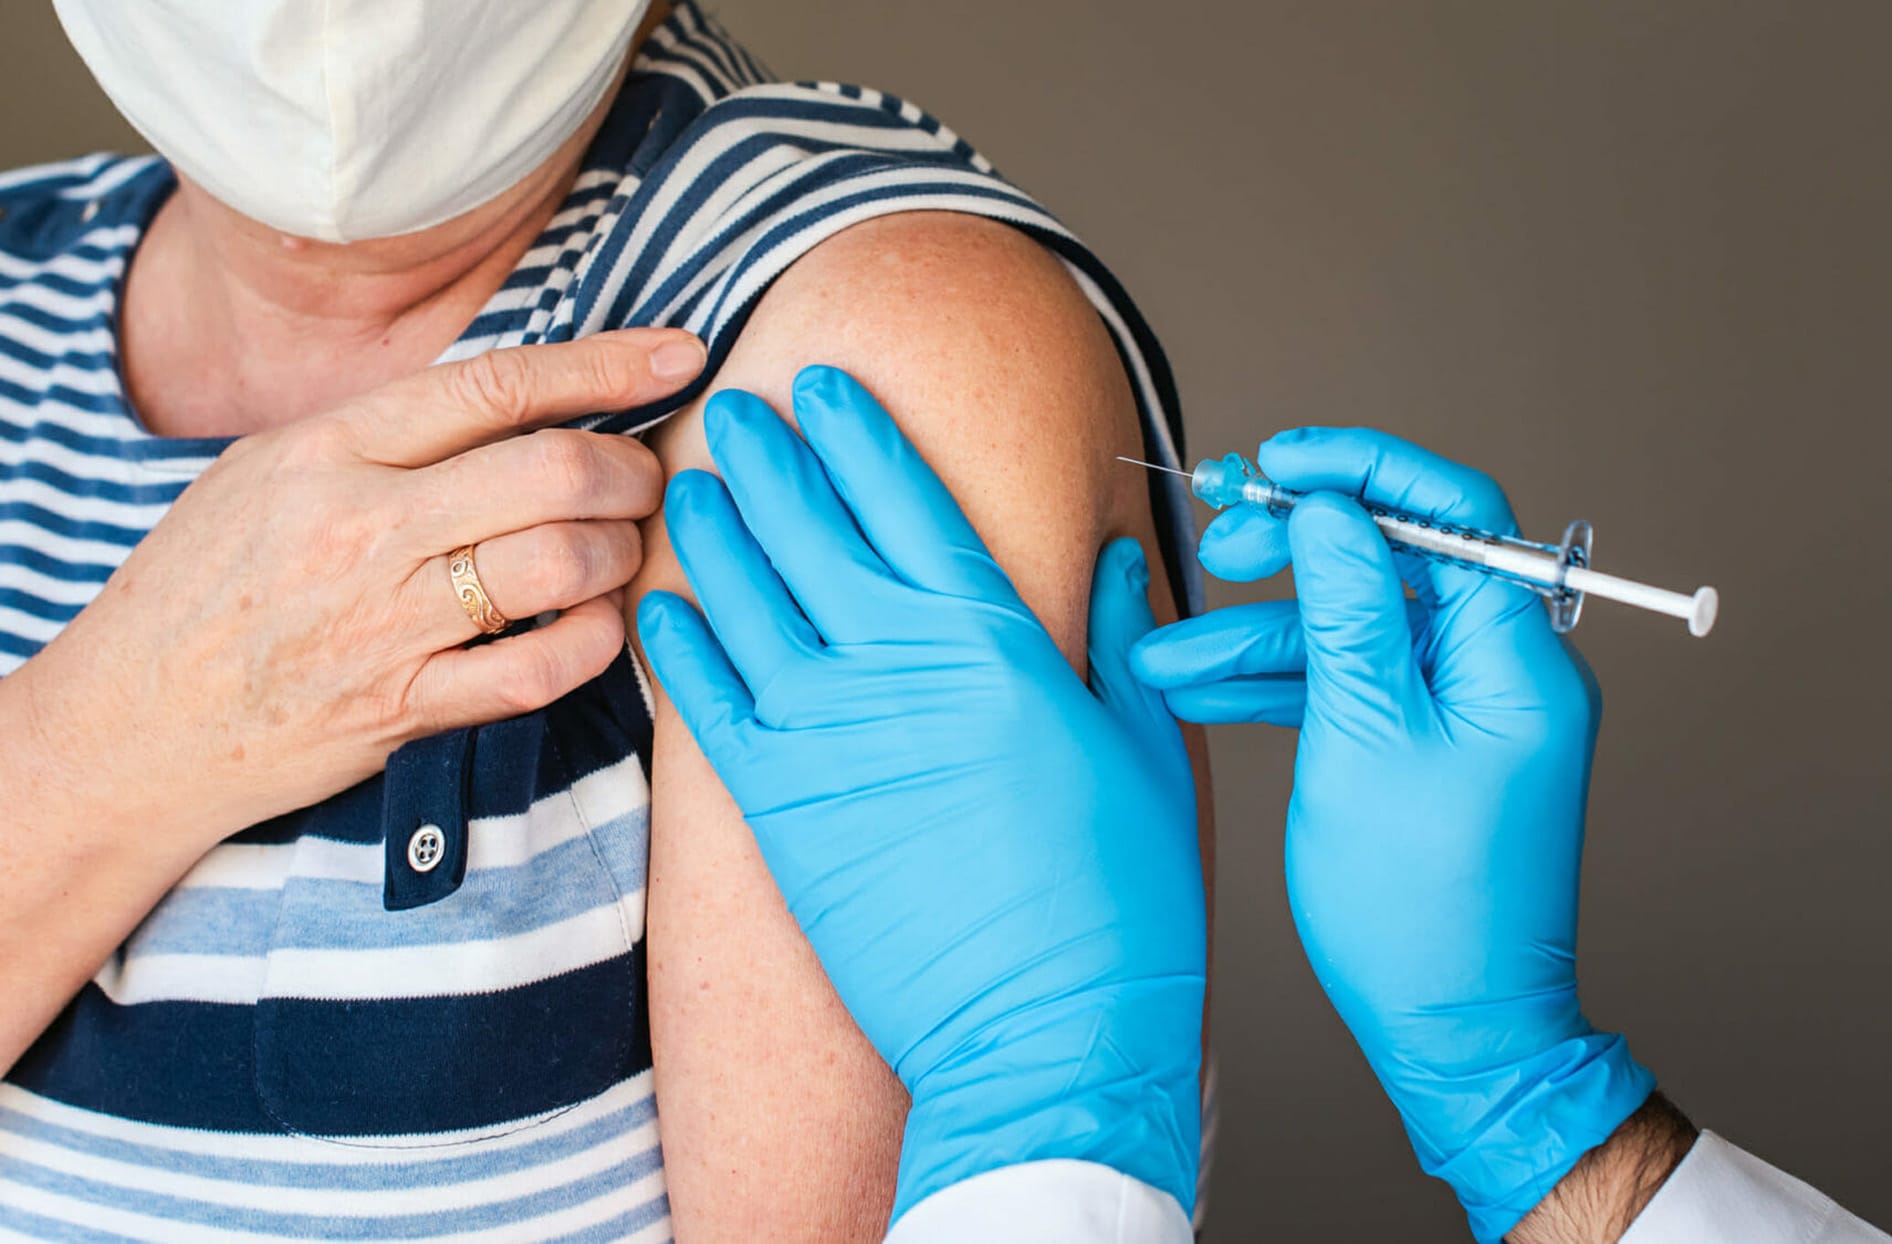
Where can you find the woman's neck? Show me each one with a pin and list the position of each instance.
(229, 327)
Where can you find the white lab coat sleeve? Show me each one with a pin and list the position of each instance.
(1721, 1192)
(1053, 1202)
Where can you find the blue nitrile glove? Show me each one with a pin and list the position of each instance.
(997, 867)
(1435, 831)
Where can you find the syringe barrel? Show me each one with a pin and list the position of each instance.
(1535, 565)
(1539, 566)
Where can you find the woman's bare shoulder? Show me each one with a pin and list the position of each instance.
(993, 361)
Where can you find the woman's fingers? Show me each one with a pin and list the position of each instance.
(526, 573)
(555, 475)
(434, 414)
(519, 673)
(314, 555)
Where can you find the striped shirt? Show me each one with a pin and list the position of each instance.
(416, 1011)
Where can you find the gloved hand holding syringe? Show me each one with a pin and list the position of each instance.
(1560, 573)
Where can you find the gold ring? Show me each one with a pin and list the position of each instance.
(466, 585)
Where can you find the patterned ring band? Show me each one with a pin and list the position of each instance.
(466, 585)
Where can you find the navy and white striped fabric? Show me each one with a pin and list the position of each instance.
(309, 1036)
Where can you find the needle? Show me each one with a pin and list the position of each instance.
(1153, 466)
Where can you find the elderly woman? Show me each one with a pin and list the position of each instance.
(335, 808)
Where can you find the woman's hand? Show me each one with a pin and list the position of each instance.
(291, 621)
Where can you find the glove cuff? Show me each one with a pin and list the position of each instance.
(1581, 1091)
(1107, 1077)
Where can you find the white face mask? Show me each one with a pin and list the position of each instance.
(347, 119)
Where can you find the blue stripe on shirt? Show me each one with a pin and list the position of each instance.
(347, 1070)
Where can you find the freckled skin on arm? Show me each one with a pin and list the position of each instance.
(779, 1120)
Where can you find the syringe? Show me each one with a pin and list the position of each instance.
(1560, 573)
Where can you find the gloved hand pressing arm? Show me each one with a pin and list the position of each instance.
(1435, 831)
(997, 867)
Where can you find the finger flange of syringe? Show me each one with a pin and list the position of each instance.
(1560, 573)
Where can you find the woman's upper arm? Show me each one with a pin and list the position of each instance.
(779, 1120)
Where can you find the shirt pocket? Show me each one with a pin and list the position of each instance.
(514, 996)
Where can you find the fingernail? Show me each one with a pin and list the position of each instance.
(678, 359)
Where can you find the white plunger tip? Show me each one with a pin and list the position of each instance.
(1701, 619)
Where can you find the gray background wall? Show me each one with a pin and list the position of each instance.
(1630, 256)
